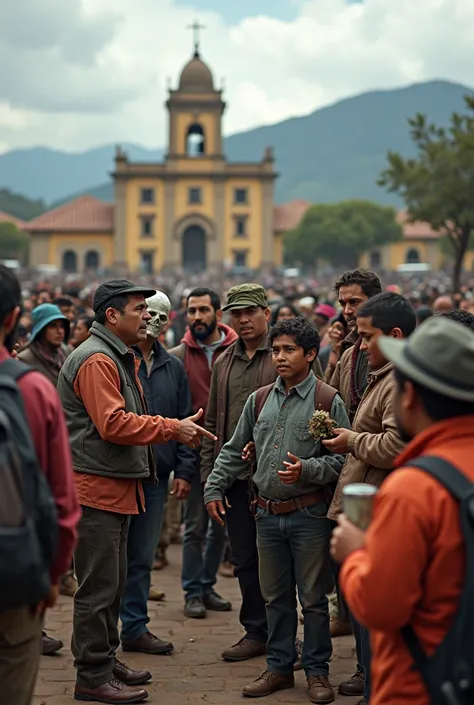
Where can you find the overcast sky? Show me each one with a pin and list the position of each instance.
(79, 73)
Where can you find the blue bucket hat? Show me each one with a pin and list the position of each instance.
(43, 315)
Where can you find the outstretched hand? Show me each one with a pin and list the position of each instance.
(191, 434)
(293, 470)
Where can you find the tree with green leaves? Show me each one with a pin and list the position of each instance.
(338, 233)
(438, 185)
(14, 243)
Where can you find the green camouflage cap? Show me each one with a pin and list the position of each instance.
(245, 296)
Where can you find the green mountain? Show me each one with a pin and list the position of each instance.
(333, 154)
(19, 206)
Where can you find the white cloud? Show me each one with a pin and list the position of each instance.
(91, 71)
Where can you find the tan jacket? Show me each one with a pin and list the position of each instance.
(374, 442)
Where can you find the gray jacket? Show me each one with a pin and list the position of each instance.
(90, 452)
(282, 427)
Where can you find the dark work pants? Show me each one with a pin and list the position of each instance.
(101, 568)
(335, 569)
(243, 541)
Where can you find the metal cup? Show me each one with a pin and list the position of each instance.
(358, 502)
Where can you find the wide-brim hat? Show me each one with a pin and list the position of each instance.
(43, 315)
(439, 355)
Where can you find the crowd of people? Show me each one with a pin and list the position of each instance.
(199, 424)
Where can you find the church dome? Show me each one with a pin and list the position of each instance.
(196, 77)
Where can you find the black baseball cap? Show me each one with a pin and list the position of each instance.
(116, 287)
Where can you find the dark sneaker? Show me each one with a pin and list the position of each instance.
(244, 650)
(213, 601)
(194, 608)
(266, 684)
(320, 690)
(354, 686)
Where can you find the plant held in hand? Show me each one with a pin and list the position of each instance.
(321, 425)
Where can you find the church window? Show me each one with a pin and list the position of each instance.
(147, 262)
(240, 258)
(413, 256)
(195, 196)
(92, 260)
(195, 141)
(146, 225)
(69, 262)
(241, 226)
(375, 259)
(241, 196)
(147, 195)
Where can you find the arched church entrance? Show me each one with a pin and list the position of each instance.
(194, 256)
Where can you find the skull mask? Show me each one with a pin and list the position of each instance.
(158, 306)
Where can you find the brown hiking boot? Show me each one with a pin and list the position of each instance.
(244, 650)
(320, 690)
(266, 684)
(339, 628)
(354, 686)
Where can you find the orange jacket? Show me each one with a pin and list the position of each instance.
(412, 567)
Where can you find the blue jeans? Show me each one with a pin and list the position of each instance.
(362, 640)
(203, 544)
(293, 552)
(143, 536)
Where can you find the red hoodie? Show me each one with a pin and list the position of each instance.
(197, 366)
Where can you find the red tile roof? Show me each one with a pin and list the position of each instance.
(7, 218)
(288, 215)
(85, 214)
(417, 230)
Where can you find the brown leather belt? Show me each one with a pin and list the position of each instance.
(291, 505)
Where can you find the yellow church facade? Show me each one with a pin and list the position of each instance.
(194, 211)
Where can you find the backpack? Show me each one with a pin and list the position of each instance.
(28, 515)
(449, 673)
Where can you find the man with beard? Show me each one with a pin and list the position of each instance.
(410, 566)
(21, 628)
(206, 339)
(167, 393)
(373, 443)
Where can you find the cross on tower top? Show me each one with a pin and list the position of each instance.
(195, 26)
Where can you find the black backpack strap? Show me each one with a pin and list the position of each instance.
(14, 368)
(445, 473)
(459, 487)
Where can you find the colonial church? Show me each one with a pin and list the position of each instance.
(193, 211)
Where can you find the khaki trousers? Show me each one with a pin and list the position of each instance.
(20, 650)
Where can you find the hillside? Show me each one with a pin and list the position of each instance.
(332, 154)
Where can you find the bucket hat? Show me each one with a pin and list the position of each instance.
(439, 355)
(43, 315)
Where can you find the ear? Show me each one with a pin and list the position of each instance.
(396, 333)
(219, 315)
(11, 320)
(409, 398)
(311, 356)
(268, 313)
(112, 315)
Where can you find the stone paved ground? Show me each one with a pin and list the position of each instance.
(194, 673)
